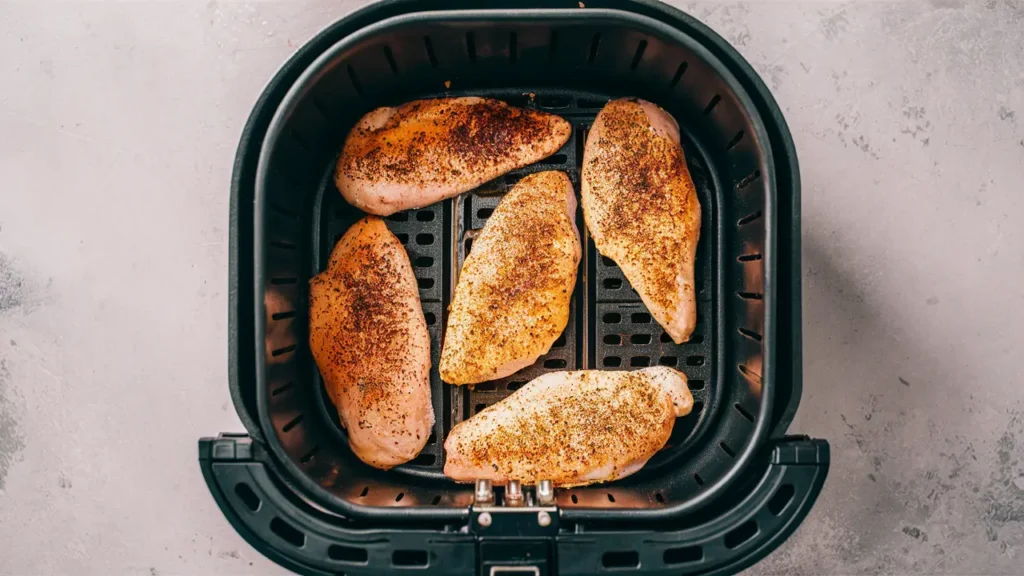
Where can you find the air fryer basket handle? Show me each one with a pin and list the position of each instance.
(285, 529)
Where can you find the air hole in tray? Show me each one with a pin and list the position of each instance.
(640, 339)
(400, 496)
(484, 213)
(425, 283)
(309, 455)
(613, 339)
(425, 216)
(725, 448)
(424, 239)
(556, 159)
(556, 363)
(560, 342)
(349, 554)
(612, 283)
(611, 498)
(711, 105)
(735, 140)
(247, 496)
(607, 261)
(640, 361)
(668, 361)
(574, 499)
(638, 55)
(612, 361)
(436, 500)
(471, 46)
(684, 555)
(640, 318)
(659, 497)
(679, 74)
(431, 318)
(737, 537)
(398, 217)
(391, 60)
(283, 315)
(695, 361)
(743, 412)
(695, 384)
(612, 318)
(513, 52)
(366, 490)
(621, 559)
(424, 262)
(409, 558)
(287, 532)
(512, 386)
(403, 238)
(293, 423)
(429, 47)
(781, 499)
(698, 479)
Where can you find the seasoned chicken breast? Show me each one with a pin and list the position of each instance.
(641, 208)
(572, 428)
(428, 150)
(369, 338)
(512, 298)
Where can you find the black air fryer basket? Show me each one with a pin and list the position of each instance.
(726, 490)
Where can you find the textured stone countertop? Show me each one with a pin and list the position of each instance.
(118, 124)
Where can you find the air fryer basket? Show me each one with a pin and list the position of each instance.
(568, 62)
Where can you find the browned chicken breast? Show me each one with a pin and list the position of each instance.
(572, 428)
(428, 150)
(642, 209)
(369, 338)
(512, 298)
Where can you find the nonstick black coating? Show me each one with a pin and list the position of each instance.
(572, 65)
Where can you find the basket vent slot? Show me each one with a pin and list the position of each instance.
(484, 213)
(640, 361)
(287, 532)
(471, 46)
(425, 283)
(309, 455)
(423, 262)
(671, 361)
(429, 46)
(640, 339)
(638, 55)
(595, 43)
(513, 386)
(732, 143)
(366, 490)
(348, 554)
(737, 537)
(684, 555)
(750, 334)
(425, 216)
(640, 318)
(484, 387)
(282, 389)
(679, 74)
(355, 80)
(695, 361)
(556, 363)
(621, 559)
(659, 497)
(247, 496)
(743, 412)
(698, 479)
(293, 423)
(695, 384)
(725, 448)
(284, 350)
(750, 295)
(612, 318)
(283, 315)
(711, 105)
(391, 60)
(748, 218)
(424, 239)
(409, 558)
(398, 217)
(612, 283)
(781, 499)
(748, 178)
(431, 318)
(436, 500)
(749, 257)
(613, 339)
(552, 46)
(400, 496)
(513, 52)
(612, 361)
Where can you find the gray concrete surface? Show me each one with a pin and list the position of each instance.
(118, 122)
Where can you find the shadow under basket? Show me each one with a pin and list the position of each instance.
(292, 486)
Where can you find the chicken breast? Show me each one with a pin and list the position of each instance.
(572, 428)
(641, 208)
(369, 338)
(428, 150)
(512, 298)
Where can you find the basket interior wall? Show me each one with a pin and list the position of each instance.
(571, 67)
